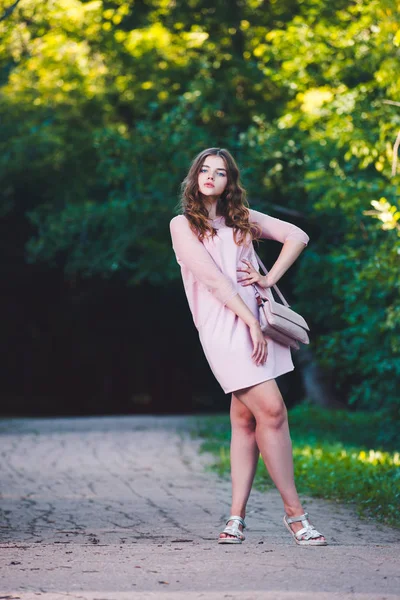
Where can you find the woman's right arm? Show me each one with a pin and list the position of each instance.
(260, 350)
(192, 253)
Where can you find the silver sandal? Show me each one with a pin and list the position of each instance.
(305, 536)
(233, 530)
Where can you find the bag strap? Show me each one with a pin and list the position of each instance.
(268, 290)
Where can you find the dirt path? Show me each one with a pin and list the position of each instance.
(121, 508)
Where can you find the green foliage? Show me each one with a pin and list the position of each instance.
(104, 104)
(331, 150)
(332, 459)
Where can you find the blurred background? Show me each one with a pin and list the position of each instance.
(103, 106)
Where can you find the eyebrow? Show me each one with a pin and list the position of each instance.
(218, 169)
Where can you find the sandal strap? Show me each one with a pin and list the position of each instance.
(308, 533)
(231, 530)
(236, 519)
(297, 519)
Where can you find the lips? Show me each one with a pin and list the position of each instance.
(210, 185)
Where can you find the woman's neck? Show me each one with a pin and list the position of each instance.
(211, 206)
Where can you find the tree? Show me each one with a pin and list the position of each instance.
(107, 103)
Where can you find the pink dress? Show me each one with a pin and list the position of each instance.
(209, 276)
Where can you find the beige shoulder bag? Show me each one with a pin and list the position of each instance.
(278, 321)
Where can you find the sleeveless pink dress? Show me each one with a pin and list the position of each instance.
(209, 276)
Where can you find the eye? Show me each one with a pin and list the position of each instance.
(203, 170)
(222, 174)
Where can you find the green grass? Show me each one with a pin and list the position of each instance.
(337, 456)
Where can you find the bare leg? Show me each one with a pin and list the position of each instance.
(265, 402)
(244, 457)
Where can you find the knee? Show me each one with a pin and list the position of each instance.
(245, 423)
(273, 413)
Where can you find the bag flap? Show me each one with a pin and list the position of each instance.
(286, 313)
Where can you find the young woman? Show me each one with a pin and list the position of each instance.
(212, 240)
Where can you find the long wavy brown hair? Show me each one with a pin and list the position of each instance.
(232, 203)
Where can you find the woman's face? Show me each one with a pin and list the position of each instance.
(213, 176)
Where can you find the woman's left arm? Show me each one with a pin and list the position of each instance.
(293, 238)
